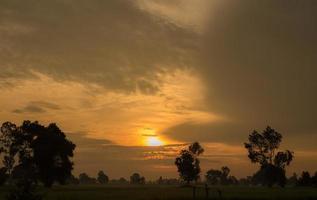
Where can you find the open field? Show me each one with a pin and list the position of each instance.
(169, 192)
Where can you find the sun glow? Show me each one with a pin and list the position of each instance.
(154, 141)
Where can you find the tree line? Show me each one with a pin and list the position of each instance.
(102, 179)
(263, 149)
(34, 154)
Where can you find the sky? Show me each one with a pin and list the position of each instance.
(131, 82)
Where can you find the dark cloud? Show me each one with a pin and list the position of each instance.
(209, 132)
(260, 69)
(37, 107)
(111, 43)
(261, 63)
(30, 109)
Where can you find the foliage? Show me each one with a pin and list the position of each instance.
(102, 178)
(73, 180)
(136, 178)
(262, 148)
(85, 179)
(305, 179)
(44, 147)
(269, 175)
(188, 164)
(31, 153)
(3, 175)
(214, 177)
(23, 176)
(292, 181)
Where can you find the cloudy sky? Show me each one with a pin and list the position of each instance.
(133, 81)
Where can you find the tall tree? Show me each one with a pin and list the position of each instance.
(33, 152)
(263, 149)
(188, 164)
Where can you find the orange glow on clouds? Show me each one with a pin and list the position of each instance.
(125, 119)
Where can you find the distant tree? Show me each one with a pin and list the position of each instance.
(120, 181)
(160, 180)
(225, 173)
(188, 164)
(136, 178)
(102, 178)
(246, 181)
(262, 149)
(73, 180)
(85, 179)
(232, 180)
(214, 176)
(167, 181)
(292, 180)
(243, 181)
(305, 179)
(32, 153)
(314, 179)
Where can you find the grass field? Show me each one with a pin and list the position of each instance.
(169, 192)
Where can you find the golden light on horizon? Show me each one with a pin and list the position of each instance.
(154, 141)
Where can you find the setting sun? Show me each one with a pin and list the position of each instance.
(154, 141)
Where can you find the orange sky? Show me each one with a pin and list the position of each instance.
(132, 82)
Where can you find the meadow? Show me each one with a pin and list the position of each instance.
(157, 192)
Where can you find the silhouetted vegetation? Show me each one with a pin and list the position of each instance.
(85, 179)
(31, 153)
(188, 164)
(3, 175)
(167, 181)
(307, 180)
(136, 178)
(73, 180)
(217, 177)
(120, 181)
(262, 149)
(102, 178)
(35, 153)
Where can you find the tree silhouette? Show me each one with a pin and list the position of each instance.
(102, 178)
(305, 179)
(292, 180)
(136, 178)
(8, 146)
(214, 176)
(314, 179)
(188, 164)
(85, 179)
(262, 149)
(73, 180)
(33, 152)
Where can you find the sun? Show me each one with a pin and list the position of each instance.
(154, 141)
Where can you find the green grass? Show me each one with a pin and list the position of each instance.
(169, 193)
